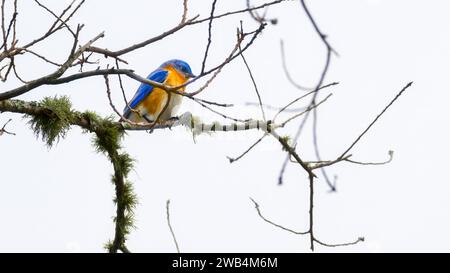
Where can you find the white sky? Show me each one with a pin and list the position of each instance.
(60, 199)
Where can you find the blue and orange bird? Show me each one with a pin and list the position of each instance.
(149, 101)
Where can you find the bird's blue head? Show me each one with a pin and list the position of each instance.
(181, 66)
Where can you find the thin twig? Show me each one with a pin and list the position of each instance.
(376, 118)
(314, 106)
(258, 18)
(332, 185)
(322, 164)
(275, 108)
(185, 11)
(360, 239)
(58, 18)
(283, 109)
(40, 56)
(254, 84)
(213, 7)
(170, 225)
(311, 211)
(232, 160)
(275, 224)
(123, 90)
(108, 93)
(286, 70)
(5, 42)
(389, 160)
(220, 113)
(237, 12)
(13, 64)
(4, 131)
(12, 25)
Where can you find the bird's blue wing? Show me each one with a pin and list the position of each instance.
(145, 89)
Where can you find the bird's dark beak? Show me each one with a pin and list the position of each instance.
(190, 75)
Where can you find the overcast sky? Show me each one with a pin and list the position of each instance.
(60, 199)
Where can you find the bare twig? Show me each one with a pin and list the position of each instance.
(311, 107)
(258, 18)
(58, 18)
(360, 239)
(213, 7)
(170, 226)
(275, 108)
(254, 84)
(389, 160)
(220, 113)
(185, 11)
(5, 43)
(283, 109)
(11, 25)
(123, 90)
(286, 70)
(238, 11)
(311, 211)
(4, 131)
(108, 93)
(275, 224)
(40, 56)
(326, 163)
(13, 64)
(376, 118)
(232, 160)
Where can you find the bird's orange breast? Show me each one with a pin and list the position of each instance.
(174, 78)
(155, 102)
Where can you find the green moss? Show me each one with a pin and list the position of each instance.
(93, 117)
(53, 125)
(128, 223)
(129, 198)
(108, 137)
(108, 140)
(109, 246)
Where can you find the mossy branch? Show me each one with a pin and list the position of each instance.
(52, 118)
(50, 107)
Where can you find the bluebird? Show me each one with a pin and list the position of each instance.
(149, 101)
